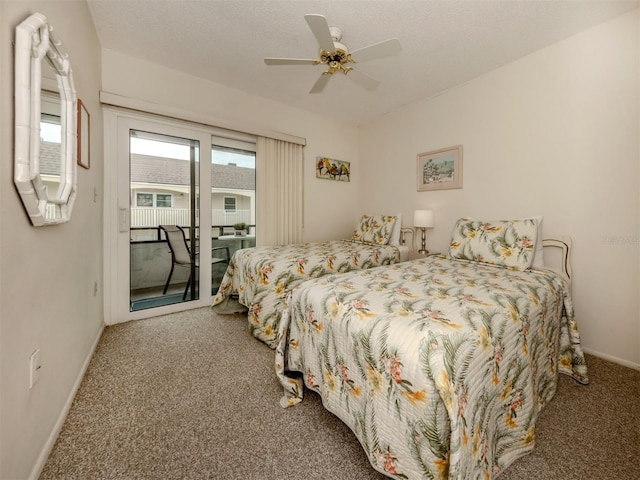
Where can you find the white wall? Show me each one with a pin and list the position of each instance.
(47, 274)
(553, 134)
(331, 208)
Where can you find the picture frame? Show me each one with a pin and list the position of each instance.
(332, 169)
(440, 169)
(84, 136)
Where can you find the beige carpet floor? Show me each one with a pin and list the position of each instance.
(194, 396)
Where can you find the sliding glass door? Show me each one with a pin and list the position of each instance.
(164, 219)
(163, 263)
(162, 252)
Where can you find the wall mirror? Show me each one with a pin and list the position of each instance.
(45, 124)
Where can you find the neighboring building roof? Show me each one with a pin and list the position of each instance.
(150, 169)
(161, 170)
(49, 158)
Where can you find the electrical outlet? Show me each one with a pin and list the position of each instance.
(34, 368)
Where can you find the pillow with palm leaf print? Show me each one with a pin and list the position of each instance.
(375, 229)
(505, 243)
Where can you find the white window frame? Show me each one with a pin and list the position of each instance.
(154, 199)
(138, 200)
(235, 204)
(170, 195)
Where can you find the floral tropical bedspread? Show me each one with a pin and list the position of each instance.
(439, 366)
(262, 276)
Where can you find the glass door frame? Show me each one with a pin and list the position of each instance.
(118, 124)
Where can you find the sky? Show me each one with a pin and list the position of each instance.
(50, 132)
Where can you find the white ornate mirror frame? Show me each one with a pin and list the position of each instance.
(35, 44)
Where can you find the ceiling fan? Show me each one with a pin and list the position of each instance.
(336, 56)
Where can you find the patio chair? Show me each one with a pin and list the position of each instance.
(181, 255)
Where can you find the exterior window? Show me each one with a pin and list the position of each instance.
(144, 200)
(160, 200)
(163, 200)
(229, 204)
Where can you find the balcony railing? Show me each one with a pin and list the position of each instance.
(152, 217)
(150, 260)
(150, 256)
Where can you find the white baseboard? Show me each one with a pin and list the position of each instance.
(610, 358)
(51, 441)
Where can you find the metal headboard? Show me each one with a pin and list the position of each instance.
(403, 232)
(565, 243)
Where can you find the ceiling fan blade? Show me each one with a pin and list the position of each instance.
(363, 80)
(288, 61)
(320, 84)
(320, 28)
(377, 50)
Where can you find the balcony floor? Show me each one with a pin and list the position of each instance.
(145, 298)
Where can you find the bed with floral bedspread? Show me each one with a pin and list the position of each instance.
(261, 277)
(439, 366)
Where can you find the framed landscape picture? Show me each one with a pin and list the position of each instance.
(440, 169)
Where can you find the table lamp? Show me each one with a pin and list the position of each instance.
(423, 219)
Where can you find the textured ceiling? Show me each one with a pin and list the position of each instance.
(444, 42)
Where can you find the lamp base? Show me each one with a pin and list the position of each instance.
(423, 247)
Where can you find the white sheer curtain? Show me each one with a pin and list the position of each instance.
(279, 193)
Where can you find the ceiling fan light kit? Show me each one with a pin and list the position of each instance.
(336, 56)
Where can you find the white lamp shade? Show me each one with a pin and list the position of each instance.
(423, 218)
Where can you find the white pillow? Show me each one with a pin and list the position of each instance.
(538, 256)
(395, 233)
